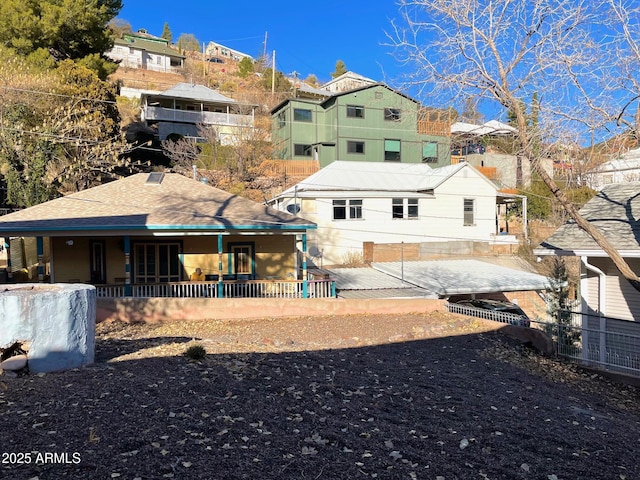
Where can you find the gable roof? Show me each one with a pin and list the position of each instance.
(615, 211)
(176, 204)
(148, 45)
(333, 95)
(376, 176)
(350, 76)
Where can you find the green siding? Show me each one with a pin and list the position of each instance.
(331, 128)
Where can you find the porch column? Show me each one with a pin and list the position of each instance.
(127, 266)
(220, 282)
(40, 252)
(7, 243)
(305, 282)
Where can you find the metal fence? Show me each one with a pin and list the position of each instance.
(600, 342)
(592, 340)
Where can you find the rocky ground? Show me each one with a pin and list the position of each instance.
(436, 396)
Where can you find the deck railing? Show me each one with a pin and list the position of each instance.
(230, 289)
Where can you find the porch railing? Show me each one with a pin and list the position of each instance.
(230, 289)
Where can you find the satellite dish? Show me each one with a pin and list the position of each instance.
(315, 252)
(293, 208)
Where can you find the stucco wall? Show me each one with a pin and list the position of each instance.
(163, 309)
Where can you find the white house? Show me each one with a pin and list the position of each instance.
(180, 109)
(621, 170)
(610, 306)
(395, 203)
(147, 52)
(347, 81)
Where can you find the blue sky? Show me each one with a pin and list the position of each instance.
(308, 37)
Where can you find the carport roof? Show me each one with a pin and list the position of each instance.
(455, 277)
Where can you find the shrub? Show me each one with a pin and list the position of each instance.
(196, 352)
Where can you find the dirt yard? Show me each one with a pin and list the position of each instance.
(436, 396)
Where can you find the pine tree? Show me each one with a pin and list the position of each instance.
(341, 69)
(166, 32)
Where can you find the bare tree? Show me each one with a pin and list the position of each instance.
(504, 52)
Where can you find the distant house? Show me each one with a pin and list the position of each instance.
(367, 205)
(218, 50)
(347, 81)
(145, 234)
(180, 109)
(373, 123)
(621, 170)
(469, 143)
(610, 306)
(147, 52)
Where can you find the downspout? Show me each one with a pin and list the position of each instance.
(601, 308)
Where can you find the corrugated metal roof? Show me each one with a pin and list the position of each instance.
(364, 279)
(453, 277)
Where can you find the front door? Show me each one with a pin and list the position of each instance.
(242, 260)
(156, 262)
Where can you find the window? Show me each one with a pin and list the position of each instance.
(355, 147)
(301, 115)
(392, 150)
(392, 114)
(429, 152)
(469, 207)
(300, 150)
(282, 119)
(343, 207)
(404, 208)
(355, 111)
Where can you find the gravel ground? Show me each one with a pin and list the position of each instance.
(436, 396)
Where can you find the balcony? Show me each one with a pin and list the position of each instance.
(189, 116)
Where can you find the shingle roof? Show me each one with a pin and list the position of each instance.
(177, 203)
(375, 176)
(615, 211)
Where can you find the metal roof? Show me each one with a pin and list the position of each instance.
(375, 176)
(189, 91)
(453, 277)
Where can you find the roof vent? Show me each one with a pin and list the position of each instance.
(154, 178)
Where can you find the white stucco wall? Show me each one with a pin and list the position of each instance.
(58, 321)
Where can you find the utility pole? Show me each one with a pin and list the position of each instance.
(264, 53)
(273, 74)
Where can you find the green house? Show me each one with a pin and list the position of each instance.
(372, 123)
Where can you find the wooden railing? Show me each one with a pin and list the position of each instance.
(230, 289)
(189, 116)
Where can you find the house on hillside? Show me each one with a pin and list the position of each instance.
(179, 110)
(621, 170)
(382, 211)
(148, 52)
(474, 144)
(218, 50)
(144, 235)
(347, 81)
(610, 306)
(373, 123)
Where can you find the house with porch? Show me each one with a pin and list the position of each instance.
(382, 211)
(372, 123)
(179, 110)
(609, 305)
(143, 236)
(147, 52)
